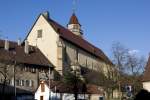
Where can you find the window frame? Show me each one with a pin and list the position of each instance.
(39, 33)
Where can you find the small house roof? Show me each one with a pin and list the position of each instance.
(16, 53)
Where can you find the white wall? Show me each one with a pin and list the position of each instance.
(146, 86)
(45, 94)
(65, 96)
(47, 44)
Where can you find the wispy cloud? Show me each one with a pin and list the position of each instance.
(133, 51)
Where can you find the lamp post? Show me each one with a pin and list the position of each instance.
(4, 73)
(15, 80)
(14, 53)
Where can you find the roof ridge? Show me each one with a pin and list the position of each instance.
(68, 35)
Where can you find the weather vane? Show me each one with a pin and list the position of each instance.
(0, 33)
(74, 6)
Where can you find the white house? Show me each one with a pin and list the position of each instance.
(60, 91)
(146, 77)
(44, 93)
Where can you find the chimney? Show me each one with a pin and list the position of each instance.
(6, 44)
(46, 14)
(26, 48)
(19, 41)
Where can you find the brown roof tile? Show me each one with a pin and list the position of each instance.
(66, 88)
(78, 41)
(74, 19)
(16, 53)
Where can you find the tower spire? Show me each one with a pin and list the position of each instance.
(74, 25)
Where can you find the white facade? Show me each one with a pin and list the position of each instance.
(63, 96)
(48, 42)
(45, 95)
(146, 86)
(75, 28)
(39, 93)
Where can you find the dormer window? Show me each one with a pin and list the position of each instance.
(39, 33)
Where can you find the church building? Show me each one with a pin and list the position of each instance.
(51, 46)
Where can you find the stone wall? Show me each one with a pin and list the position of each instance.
(84, 58)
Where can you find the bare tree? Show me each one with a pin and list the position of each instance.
(135, 64)
(119, 54)
(128, 64)
(5, 78)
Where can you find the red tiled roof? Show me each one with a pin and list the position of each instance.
(146, 75)
(74, 19)
(16, 53)
(66, 88)
(78, 41)
(94, 89)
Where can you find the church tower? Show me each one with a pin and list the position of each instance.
(74, 25)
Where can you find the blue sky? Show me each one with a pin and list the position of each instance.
(103, 21)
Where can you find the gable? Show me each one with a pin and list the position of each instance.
(47, 43)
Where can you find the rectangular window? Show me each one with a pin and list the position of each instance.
(22, 82)
(75, 27)
(65, 55)
(42, 87)
(76, 54)
(52, 75)
(30, 83)
(8, 81)
(25, 68)
(27, 83)
(42, 70)
(39, 33)
(33, 70)
(86, 63)
(17, 82)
